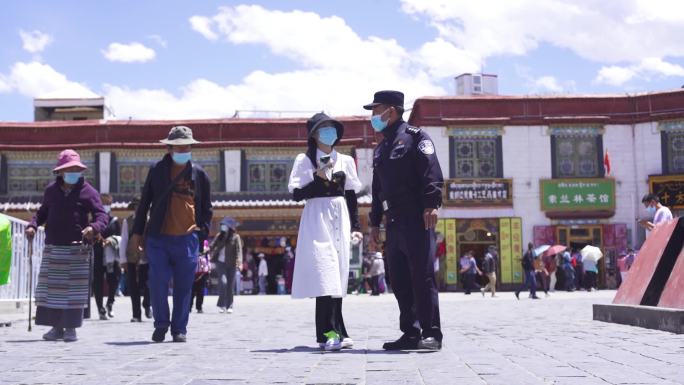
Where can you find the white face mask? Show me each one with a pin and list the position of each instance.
(107, 208)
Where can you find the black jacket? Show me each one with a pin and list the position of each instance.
(156, 195)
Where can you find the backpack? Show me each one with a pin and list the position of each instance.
(203, 266)
(527, 260)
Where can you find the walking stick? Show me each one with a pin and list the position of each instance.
(30, 255)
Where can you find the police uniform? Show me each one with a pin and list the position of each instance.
(407, 179)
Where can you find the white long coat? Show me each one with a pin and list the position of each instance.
(324, 240)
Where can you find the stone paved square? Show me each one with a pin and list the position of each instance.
(270, 340)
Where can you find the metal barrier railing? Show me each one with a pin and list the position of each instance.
(18, 286)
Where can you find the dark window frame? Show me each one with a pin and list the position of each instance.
(499, 159)
(601, 172)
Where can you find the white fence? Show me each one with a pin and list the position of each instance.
(18, 286)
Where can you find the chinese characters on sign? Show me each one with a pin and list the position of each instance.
(479, 192)
(578, 194)
(669, 188)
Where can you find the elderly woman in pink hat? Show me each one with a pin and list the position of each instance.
(72, 214)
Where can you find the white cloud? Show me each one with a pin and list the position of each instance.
(158, 39)
(548, 83)
(645, 69)
(128, 53)
(338, 70)
(202, 25)
(598, 30)
(40, 80)
(4, 84)
(34, 41)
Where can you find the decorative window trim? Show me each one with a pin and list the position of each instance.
(576, 130)
(475, 132)
(671, 126)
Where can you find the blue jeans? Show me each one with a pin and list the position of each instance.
(174, 257)
(529, 283)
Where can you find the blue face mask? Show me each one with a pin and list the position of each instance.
(72, 177)
(651, 210)
(377, 122)
(327, 135)
(181, 157)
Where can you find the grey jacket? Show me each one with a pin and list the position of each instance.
(232, 246)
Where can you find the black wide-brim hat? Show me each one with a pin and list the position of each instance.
(388, 97)
(319, 120)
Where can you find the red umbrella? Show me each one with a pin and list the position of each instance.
(553, 250)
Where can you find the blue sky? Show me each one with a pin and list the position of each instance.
(191, 59)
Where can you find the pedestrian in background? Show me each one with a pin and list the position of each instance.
(660, 213)
(328, 181)
(226, 253)
(590, 274)
(262, 273)
(178, 192)
(136, 267)
(469, 271)
(530, 281)
(377, 270)
(103, 269)
(569, 271)
(73, 215)
(201, 277)
(489, 268)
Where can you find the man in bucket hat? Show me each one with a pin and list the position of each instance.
(177, 196)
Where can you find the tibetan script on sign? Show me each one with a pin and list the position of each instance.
(479, 192)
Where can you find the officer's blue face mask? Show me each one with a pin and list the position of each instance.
(181, 157)
(377, 122)
(72, 177)
(327, 135)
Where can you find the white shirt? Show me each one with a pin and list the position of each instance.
(263, 268)
(662, 215)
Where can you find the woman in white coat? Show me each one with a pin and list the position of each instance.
(328, 181)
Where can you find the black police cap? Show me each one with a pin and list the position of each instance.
(390, 98)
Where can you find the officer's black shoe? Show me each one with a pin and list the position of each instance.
(148, 312)
(429, 343)
(405, 342)
(180, 337)
(159, 334)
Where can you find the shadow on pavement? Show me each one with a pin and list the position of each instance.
(130, 343)
(23, 341)
(309, 349)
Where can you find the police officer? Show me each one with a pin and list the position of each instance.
(407, 190)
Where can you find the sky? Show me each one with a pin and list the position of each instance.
(173, 59)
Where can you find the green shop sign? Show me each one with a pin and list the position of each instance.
(577, 194)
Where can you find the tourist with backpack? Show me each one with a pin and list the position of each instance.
(530, 281)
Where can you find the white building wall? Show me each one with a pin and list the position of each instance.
(232, 166)
(526, 160)
(364, 164)
(441, 140)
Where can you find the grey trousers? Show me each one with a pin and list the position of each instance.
(226, 283)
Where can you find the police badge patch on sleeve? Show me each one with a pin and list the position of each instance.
(426, 147)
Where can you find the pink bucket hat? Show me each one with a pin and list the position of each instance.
(68, 158)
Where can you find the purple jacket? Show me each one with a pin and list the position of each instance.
(65, 217)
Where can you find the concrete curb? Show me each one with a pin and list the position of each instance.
(649, 317)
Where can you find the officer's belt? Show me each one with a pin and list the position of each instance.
(394, 204)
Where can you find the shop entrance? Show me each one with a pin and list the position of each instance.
(576, 237)
(478, 241)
